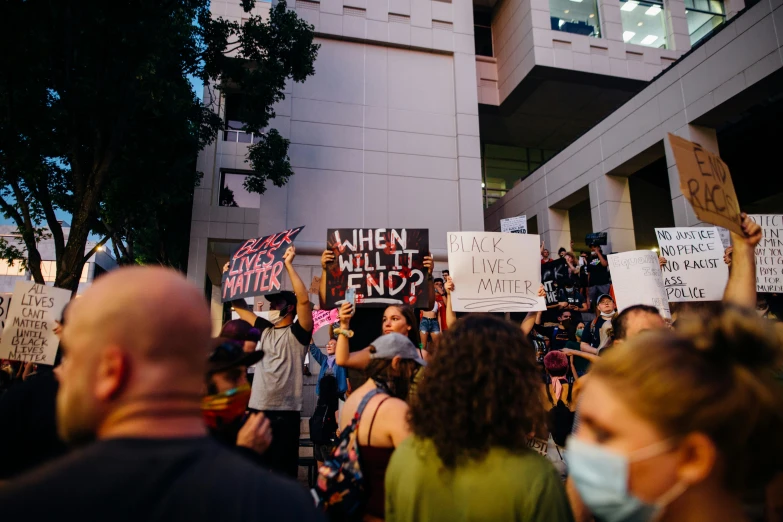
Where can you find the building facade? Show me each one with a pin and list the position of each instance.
(423, 113)
(10, 274)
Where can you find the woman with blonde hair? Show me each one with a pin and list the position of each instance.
(676, 426)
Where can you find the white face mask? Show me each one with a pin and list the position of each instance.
(275, 316)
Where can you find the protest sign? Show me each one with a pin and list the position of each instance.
(636, 277)
(323, 318)
(725, 237)
(29, 327)
(596, 238)
(705, 181)
(695, 270)
(256, 267)
(495, 272)
(5, 302)
(384, 265)
(315, 285)
(553, 277)
(514, 225)
(769, 253)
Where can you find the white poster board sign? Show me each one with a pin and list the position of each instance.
(636, 277)
(769, 253)
(29, 328)
(695, 270)
(514, 225)
(495, 272)
(725, 237)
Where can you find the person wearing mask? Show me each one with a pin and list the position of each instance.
(391, 364)
(560, 333)
(595, 335)
(469, 459)
(675, 426)
(561, 252)
(135, 349)
(228, 392)
(278, 381)
(598, 278)
(569, 298)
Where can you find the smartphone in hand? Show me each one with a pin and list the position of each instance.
(350, 297)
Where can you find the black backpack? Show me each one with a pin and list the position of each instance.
(560, 419)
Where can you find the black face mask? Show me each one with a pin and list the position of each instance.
(566, 322)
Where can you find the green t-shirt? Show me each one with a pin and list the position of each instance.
(502, 486)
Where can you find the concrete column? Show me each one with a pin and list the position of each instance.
(610, 206)
(197, 256)
(555, 230)
(677, 34)
(683, 211)
(216, 310)
(611, 23)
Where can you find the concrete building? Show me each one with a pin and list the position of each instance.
(98, 264)
(424, 113)
(620, 177)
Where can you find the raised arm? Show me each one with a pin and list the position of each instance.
(343, 356)
(302, 297)
(240, 306)
(326, 258)
(741, 289)
(530, 320)
(429, 264)
(317, 354)
(601, 256)
(451, 316)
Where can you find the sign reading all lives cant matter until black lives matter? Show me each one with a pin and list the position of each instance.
(29, 327)
(695, 270)
(769, 253)
(636, 279)
(495, 272)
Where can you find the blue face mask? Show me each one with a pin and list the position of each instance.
(601, 477)
(580, 331)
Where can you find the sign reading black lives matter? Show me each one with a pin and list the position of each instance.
(384, 265)
(553, 276)
(256, 267)
(29, 326)
(495, 272)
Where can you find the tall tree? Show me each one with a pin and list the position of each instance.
(97, 117)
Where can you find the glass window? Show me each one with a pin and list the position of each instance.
(505, 166)
(704, 16)
(575, 16)
(643, 23)
(482, 32)
(233, 192)
(14, 269)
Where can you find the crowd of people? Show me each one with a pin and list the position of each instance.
(580, 412)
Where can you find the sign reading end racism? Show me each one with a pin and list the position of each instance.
(705, 181)
(495, 272)
(384, 265)
(256, 267)
(29, 327)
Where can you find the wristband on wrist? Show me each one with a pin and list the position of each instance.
(347, 333)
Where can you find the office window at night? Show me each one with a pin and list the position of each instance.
(643, 23)
(482, 32)
(233, 192)
(704, 16)
(575, 16)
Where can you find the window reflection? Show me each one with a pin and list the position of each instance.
(704, 16)
(233, 192)
(575, 16)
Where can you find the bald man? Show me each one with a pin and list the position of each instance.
(135, 349)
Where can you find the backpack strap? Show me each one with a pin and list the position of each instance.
(363, 404)
(548, 394)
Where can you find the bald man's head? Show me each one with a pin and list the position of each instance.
(137, 332)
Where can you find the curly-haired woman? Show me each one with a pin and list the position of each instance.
(469, 458)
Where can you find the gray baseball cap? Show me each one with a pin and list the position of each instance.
(393, 344)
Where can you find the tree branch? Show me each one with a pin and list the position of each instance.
(97, 248)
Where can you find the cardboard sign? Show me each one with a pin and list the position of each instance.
(553, 276)
(769, 253)
(705, 181)
(596, 238)
(384, 265)
(495, 272)
(5, 303)
(323, 318)
(29, 328)
(256, 267)
(514, 225)
(315, 285)
(695, 270)
(636, 277)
